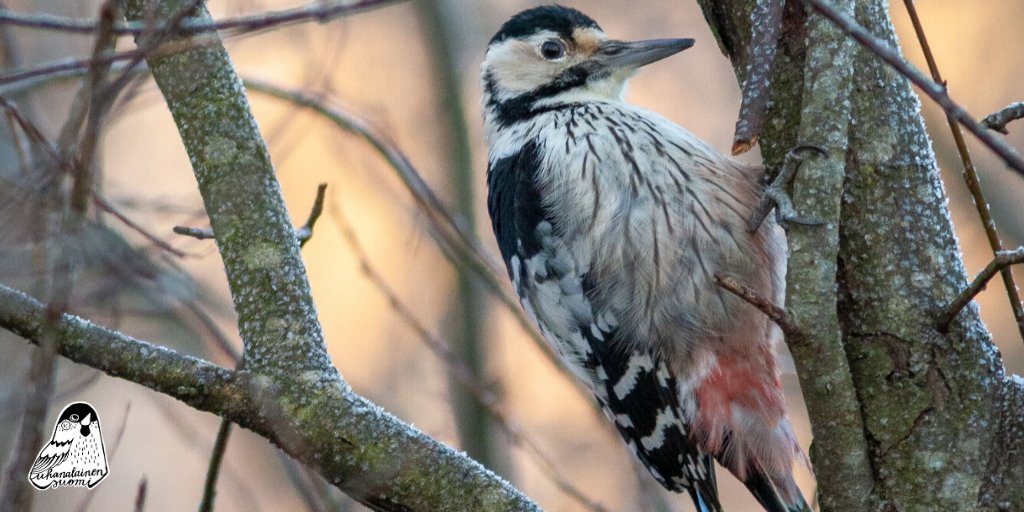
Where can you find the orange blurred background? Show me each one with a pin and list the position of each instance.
(378, 64)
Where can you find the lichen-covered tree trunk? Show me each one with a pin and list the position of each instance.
(943, 423)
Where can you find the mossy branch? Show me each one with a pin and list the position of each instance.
(940, 420)
(840, 451)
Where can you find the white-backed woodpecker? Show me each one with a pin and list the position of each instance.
(613, 222)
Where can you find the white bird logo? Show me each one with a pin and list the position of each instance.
(74, 456)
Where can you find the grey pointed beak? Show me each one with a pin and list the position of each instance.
(628, 55)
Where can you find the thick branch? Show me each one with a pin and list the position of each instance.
(264, 268)
(200, 384)
(369, 454)
(840, 452)
(929, 402)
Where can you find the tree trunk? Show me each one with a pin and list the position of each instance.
(942, 421)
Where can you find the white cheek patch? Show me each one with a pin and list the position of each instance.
(517, 66)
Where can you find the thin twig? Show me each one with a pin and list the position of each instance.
(425, 198)
(1002, 261)
(892, 57)
(302, 234)
(67, 140)
(765, 22)
(306, 231)
(321, 11)
(971, 177)
(29, 128)
(457, 245)
(219, 446)
(140, 496)
(774, 312)
(151, 39)
(168, 48)
(19, 147)
(197, 233)
(56, 160)
(998, 120)
(444, 27)
(10, 408)
(103, 204)
(220, 341)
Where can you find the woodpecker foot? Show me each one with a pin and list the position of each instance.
(775, 195)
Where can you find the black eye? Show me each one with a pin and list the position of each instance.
(552, 49)
(74, 417)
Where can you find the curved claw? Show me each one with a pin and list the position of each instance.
(802, 148)
(775, 195)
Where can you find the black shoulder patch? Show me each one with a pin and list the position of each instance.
(514, 201)
(556, 18)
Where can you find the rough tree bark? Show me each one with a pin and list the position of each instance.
(942, 421)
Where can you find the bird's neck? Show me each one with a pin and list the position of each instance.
(505, 112)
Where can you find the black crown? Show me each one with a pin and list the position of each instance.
(556, 18)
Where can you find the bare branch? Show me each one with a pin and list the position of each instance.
(76, 154)
(934, 91)
(998, 120)
(358, 445)
(103, 204)
(1001, 263)
(306, 231)
(322, 12)
(63, 66)
(220, 444)
(307, 408)
(971, 177)
(198, 383)
(197, 233)
(302, 234)
(765, 22)
(140, 496)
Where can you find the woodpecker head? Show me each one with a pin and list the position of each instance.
(552, 54)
